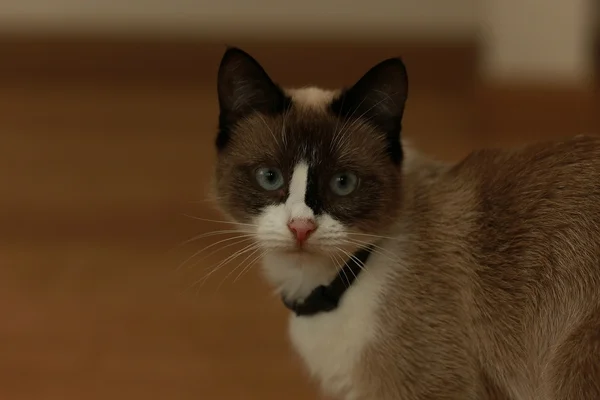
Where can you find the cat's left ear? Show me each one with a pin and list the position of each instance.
(378, 98)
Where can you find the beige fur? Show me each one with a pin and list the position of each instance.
(500, 298)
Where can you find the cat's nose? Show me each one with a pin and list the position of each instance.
(302, 228)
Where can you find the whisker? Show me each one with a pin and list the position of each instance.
(283, 131)
(221, 249)
(250, 265)
(371, 235)
(340, 268)
(376, 249)
(242, 237)
(268, 127)
(388, 97)
(358, 262)
(359, 118)
(212, 233)
(351, 271)
(219, 221)
(238, 266)
(337, 123)
(347, 120)
(227, 260)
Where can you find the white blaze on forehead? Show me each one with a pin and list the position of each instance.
(295, 202)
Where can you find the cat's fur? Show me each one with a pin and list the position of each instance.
(485, 282)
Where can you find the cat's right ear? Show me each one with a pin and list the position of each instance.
(244, 88)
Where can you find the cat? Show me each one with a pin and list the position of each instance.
(408, 278)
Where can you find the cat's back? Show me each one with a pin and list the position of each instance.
(536, 248)
(575, 162)
(533, 192)
(537, 208)
(541, 186)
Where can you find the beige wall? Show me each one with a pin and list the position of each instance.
(545, 40)
(306, 18)
(539, 40)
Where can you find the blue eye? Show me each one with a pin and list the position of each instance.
(343, 183)
(269, 178)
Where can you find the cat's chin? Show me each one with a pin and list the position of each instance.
(301, 252)
(296, 272)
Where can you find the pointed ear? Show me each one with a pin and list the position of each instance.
(244, 86)
(378, 98)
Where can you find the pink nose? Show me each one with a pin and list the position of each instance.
(302, 228)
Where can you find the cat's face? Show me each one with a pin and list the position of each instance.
(310, 171)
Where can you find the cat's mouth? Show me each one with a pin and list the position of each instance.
(314, 249)
(306, 249)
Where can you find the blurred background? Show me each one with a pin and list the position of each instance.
(107, 119)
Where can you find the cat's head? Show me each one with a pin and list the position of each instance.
(312, 172)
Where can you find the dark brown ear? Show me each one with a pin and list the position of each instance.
(378, 98)
(243, 88)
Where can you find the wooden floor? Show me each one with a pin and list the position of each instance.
(97, 180)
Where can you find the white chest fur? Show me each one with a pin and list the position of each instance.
(332, 343)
